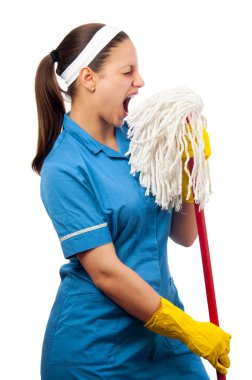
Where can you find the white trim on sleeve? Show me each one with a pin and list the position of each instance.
(83, 231)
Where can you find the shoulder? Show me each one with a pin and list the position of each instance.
(63, 166)
(63, 175)
(65, 155)
(125, 125)
(124, 128)
(62, 184)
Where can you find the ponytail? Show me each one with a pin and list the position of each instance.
(50, 109)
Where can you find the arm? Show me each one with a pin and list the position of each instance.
(134, 295)
(183, 226)
(119, 282)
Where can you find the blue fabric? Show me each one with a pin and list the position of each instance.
(92, 199)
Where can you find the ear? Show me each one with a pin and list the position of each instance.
(87, 78)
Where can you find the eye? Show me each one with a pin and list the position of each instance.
(127, 73)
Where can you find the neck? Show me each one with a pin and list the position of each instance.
(88, 120)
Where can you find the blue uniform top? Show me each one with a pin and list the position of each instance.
(92, 199)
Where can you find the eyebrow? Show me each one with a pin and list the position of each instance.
(131, 66)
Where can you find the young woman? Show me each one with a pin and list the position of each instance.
(117, 313)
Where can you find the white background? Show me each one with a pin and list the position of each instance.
(205, 45)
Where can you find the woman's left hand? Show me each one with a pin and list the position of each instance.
(207, 151)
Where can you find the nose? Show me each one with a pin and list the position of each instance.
(138, 81)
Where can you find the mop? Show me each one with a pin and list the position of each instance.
(162, 129)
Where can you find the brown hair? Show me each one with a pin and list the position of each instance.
(49, 99)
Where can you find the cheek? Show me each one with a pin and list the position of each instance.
(112, 94)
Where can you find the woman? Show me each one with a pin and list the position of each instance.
(117, 309)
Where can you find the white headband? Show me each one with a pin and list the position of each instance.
(95, 45)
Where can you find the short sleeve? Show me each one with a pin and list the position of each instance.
(73, 209)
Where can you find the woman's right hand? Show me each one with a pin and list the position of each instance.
(211, 342)
(203, 338)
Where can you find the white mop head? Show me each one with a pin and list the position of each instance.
(157, 130)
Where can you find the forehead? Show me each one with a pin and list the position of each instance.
(124, 55)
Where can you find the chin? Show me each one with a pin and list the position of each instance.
(119, 122)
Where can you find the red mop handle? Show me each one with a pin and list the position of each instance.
(207, 267)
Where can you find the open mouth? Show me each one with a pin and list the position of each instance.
(126, 103)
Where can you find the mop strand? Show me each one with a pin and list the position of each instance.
(159, 129)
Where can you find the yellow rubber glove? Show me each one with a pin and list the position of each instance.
(203, 338)
(207, 151)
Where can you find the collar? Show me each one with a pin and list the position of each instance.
(95, 146)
